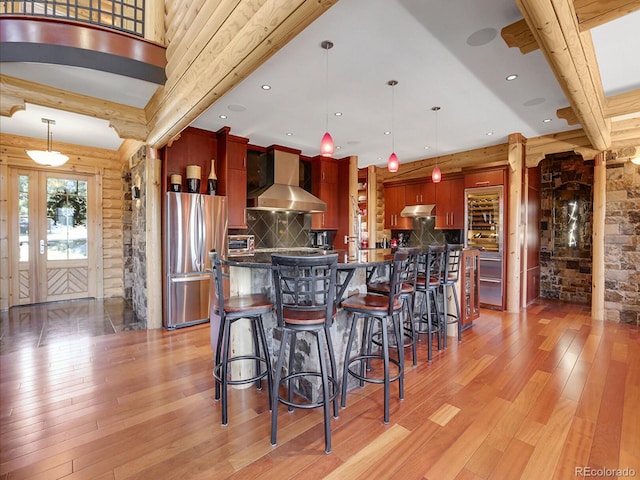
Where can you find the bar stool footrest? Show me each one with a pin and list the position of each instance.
(255, 378)
(362, 378)
(333, 387)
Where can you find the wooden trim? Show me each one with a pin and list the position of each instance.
(54, 31)
(128, 122)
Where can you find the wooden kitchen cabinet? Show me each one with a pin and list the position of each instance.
(450, 204)
(423, 193)
(486, 178)
(394, 202)
(232, 176)
(325, 187)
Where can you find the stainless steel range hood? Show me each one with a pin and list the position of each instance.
(285, 194)
(417, 211)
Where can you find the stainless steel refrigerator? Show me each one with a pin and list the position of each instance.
(194, 225)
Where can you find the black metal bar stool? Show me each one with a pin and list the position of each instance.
(305, 288)
(377, 309)
(450, 276)
(430, 268)
(407, 296)
(230, 310)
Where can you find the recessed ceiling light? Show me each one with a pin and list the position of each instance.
(223, 116)
(288, 134)
(266, 87)
(338, 147)
(546, 120)
(489, 134)
(427, 147)
(338, 114)
(513, 76)
(387, 132)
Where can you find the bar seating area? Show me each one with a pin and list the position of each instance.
(381, 323)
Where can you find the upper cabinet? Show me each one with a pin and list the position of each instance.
(450, 204)
(394, 202)
(486, 178)
(325, 186)
(193, 147)
(423, 193)
(232, 176)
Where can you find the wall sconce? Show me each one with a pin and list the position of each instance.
(135, 192)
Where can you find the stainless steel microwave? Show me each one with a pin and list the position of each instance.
(241, 245)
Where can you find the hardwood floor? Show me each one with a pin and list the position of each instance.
(532, 396)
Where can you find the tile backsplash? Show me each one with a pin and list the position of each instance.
(278, 229)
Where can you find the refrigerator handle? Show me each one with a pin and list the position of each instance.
(201, 234)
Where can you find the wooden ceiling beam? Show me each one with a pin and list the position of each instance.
(594, 13)
(554, 26)
(615, 106)
(128, 122)
(590, 14)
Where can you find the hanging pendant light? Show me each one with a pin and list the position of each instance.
(436, 174)
(326, 144)
(393, 163)
(48, 157)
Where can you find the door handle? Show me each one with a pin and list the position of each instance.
(41, 247)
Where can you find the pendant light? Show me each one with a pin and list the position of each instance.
(393, 163)
(436, 174)
(48, 157)
(326, 144)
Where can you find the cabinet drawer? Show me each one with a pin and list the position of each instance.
(484, 179)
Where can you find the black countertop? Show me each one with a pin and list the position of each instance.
(363, 258)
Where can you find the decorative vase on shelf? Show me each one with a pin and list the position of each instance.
(212, 181)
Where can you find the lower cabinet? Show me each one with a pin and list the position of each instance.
(470, 287)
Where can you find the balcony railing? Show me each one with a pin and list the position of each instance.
(124, 15)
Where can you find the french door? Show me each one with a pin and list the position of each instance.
(53, 253)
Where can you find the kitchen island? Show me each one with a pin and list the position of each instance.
(252, 274)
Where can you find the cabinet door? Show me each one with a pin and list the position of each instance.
(456, 202)
(450, 204)
(325, 187)
(420, 193)
(442, 205)
(394, 202)
(237, 184)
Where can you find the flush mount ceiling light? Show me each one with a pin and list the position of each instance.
(393, 163)
(48, 157)
(326, 144)
(436, 174)
(636, 160)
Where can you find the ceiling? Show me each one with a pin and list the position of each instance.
(442, 53)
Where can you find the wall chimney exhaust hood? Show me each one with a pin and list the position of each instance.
(417, 211)
(284, 194)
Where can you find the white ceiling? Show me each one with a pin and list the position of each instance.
(442, 53)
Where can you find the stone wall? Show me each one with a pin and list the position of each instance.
(566, 228)
(139, 297)
(127, 247)
(622, 243)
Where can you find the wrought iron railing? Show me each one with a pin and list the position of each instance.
(124, 15)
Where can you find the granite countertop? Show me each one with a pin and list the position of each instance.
(364, 258)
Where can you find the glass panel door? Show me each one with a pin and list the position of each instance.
(53, 238)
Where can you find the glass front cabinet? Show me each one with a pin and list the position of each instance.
(469, 286)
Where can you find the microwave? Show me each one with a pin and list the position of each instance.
(241, 245)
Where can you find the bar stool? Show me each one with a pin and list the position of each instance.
(377, 309)
(407, 296)
(430, 268)
(450, 276)
(230, 310)
(305, 288)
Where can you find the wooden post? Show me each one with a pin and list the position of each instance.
(515, 230)
(154, 239)
(599, 212)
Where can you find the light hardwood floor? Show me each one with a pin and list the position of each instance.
(532, 396)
